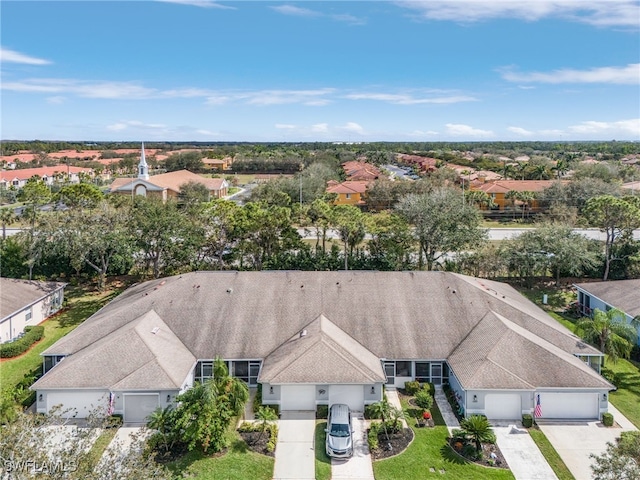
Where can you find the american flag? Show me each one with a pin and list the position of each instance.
(112, 403)
(537, 412)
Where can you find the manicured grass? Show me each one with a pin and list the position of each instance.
(625, 375)
(80, 305)
(554, 460)
(101, 444)
(430, 450)
(564, 320)
(238, 463)
(323, 462)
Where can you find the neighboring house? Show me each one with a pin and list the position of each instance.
(218, 164)
(165, 185)
(49, 175)
(621, 294)
(319, 338)
(497, 189)
(422, 164)
(350, 192)
(26, 302)
(362, 171)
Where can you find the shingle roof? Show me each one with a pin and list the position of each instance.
(393, 315)
(621, 294)
(172, 181)
(18, 294)
(143, 354)
(321, 353)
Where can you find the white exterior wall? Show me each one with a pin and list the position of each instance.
(12, 326)
(595, 302)
(74, 403)
(476, 401)
(270, 394)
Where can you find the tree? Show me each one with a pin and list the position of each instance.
(480, 199)
(80, 195)
(265, 415)
(610, 332)
(560, 168)
(191, 161)
(7, 217)
(381, 410)
(222, 225)
(616, 217)
(320, 214)
(512, 195)
(349, 221)
(477, 429)
(193, 193)
(526, 198)
(443, 224)
(391, 242)
(620, 461)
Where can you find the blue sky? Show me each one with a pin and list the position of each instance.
(456, 70)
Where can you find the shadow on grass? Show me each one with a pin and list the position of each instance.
(448, 455)
(624, 380)
(80, 310)
(321, 454)
(239, 446)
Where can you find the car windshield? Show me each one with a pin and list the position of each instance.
(339, 430)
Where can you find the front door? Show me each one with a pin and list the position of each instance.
(390, 372)
(436, 373)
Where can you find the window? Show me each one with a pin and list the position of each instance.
(204, 370)
(348, 195)
(28, 314)
(51, 361)
(241, 370)
(423, 371)
(403, 369)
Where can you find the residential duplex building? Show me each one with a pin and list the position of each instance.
(49, 175)
(498, 189)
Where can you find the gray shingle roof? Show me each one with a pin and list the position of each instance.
(321, 353)
(393, 315)
(17, 294)
(621, 294)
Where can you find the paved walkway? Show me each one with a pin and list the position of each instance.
(450, 418)
(295, 454)
(575, 441)
(394, 399)
(248, 407)
(358, 467)
(522, 454)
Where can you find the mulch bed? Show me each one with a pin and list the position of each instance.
(487, 449)
(257, 442)
(396, 444)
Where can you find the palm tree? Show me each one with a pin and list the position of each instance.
(477, 429)
(526, 198)
(383, 411)
(162, 419)
(610, 332)
(561, 167)
(235, 390)
(512, 195)
(7, 217)
(540, 172)
(265, 415)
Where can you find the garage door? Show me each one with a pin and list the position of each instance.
(298, 397)
(503, 406)
(569, 405)
(138, 407)
(78, 404)
(352, 395)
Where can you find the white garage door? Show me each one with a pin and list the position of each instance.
(138, 407)
(298, 397)
(352, 395)
(503, 406)
(78, 404)
(569, 405)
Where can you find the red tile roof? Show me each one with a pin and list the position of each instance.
(27, 173)
(503, 186)
(349, 186)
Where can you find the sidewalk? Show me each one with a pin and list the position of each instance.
(295, 453)
(445, 409)
(394, 399)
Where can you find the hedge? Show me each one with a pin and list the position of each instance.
(607, 419)
(527, 420)
(22, 344)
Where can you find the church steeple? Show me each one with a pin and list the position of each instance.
(143, 168)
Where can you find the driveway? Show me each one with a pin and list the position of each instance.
(575, 441)
(522, 454)
(295, 454)
(359, 466)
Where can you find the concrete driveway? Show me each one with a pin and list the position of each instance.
(575, 441)
(295, 454)
(522, 454)
(358, 467)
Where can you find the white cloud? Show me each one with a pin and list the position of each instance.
(552, 132)
(461, 130)
(520, 131)
(285, 126)
(56, 100)
(421, 133)
(629, 75)
(280, 97)
(125, 125)
(631, 126)
(295, 11)
(11, 56)
(602, 13)
(406, 99)
(199, 3)
(320, 128)
(352, 127)
(111, 90)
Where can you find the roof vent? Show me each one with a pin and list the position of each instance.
(303, 333)
(155, 330)
(229, 290)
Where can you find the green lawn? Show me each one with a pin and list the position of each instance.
(323, 462)
(554, 460)
(101, 444)
(430, 450)
(80, 305)
(625, 375)
(238, 463)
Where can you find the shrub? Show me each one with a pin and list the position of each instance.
(271, 446)
(322, 411)
(469, 451)
(424, 399)
(114, 421)
(412, 387)
(372, 439)
(527, 420)
(607, 419)
(370, 413)
(22, 344)
(431, 388)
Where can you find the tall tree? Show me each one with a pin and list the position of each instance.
(616, 217)
(80, 195)
(443, 224)
(349, 221)
(7, 217)
(610, 332)
(620, 461)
